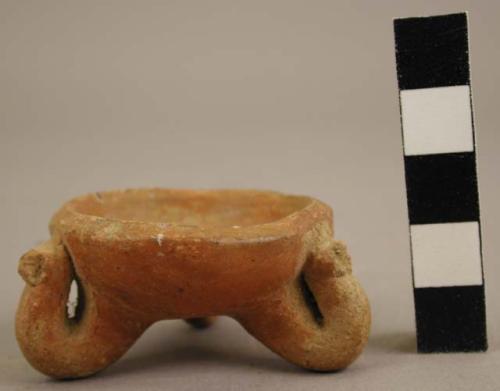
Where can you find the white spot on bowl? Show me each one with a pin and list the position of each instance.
(159, 238)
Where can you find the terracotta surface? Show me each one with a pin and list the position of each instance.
(266, 259)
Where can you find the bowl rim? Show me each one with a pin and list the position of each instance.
(94, 227)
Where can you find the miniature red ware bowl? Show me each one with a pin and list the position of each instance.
(266, 259)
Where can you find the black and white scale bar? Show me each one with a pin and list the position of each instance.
(441, 182)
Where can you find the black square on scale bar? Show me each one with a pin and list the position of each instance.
(442, 188)
(451, 319)
(432, 51)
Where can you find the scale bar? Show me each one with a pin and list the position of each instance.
(432, 59)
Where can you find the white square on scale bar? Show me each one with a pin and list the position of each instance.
(446, 254)
(437, 120)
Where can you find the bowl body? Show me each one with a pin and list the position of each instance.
(182, 253)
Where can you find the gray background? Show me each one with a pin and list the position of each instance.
(296, 96)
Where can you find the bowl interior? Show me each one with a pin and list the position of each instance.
(209, 208)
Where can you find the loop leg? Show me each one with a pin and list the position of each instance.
(201, 323)
(101, 331)
(320, 321)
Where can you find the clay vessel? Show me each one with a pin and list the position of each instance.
(266, 259)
